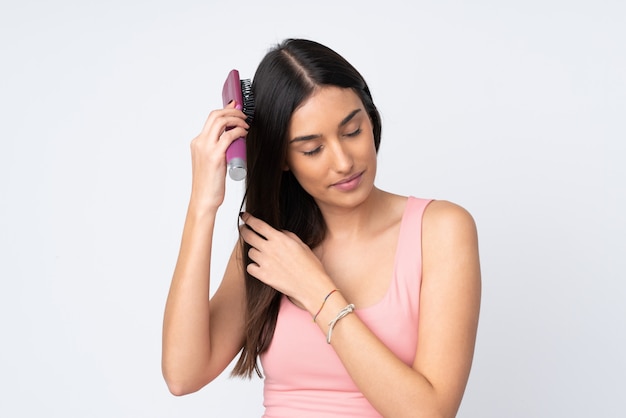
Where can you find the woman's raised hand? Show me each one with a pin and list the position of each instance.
(208, 155)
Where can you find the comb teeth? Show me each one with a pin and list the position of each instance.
(248, 100)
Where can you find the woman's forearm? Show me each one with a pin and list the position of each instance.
(392, 387)
(186, 336)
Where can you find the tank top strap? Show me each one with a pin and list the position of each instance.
(410, 237)
(408, 268)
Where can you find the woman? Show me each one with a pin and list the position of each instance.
(358, 302)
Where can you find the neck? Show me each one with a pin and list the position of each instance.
(347, 223)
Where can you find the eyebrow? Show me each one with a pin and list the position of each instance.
(343, 122)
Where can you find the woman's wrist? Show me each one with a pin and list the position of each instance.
(313, 300)
(323, 304)
(332, 308)
(200, 214)
(202, 206)
(316, 314)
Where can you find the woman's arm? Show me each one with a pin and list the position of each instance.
(448, 320)
(449, 306)
(192, 323)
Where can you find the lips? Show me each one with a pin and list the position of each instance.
(348, 183)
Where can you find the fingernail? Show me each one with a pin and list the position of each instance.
(240, 214)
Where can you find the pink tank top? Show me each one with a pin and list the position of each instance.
(303, 375)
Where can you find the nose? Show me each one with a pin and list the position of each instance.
(342, 161)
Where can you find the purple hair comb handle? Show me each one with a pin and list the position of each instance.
(241, 92)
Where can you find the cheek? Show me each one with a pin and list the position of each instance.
(308, 173)
(305, 173)
(367, 149)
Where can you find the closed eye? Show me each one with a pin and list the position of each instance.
(313, 152)
(354, 133)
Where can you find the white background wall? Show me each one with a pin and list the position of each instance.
(513, 109)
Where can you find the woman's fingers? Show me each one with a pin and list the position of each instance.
(257, 225)
(220, 123)
(255, 255)
(221, 128)
(252, 237)
(227, 117)
(280, 259)
(208, 155)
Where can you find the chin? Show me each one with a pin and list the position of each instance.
(347, 199)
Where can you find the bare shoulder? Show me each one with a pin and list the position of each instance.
(449, 240)
(445, 220)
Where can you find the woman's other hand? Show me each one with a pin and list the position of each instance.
(281, 260)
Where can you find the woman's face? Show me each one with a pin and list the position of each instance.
(331, 148)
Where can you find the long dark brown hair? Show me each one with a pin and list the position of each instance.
(285, 78)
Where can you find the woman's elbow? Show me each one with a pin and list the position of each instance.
(179, 387)
(182, 384)
(177, 390)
